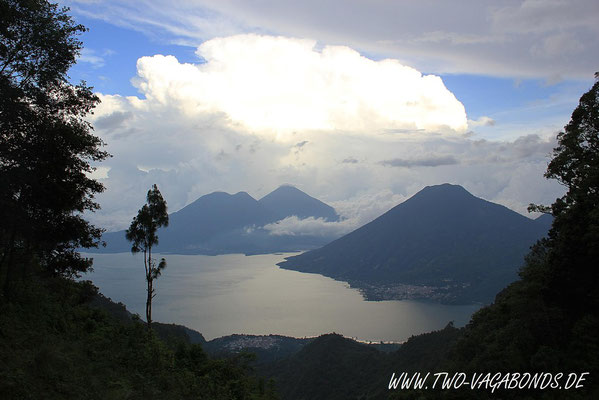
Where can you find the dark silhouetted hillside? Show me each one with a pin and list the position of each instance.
(330, 367)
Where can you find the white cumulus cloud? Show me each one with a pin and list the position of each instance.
(279, 85)
(294, 226)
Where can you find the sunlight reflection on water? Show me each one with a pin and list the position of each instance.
(222, 295)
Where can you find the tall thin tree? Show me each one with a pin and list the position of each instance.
(142, 234)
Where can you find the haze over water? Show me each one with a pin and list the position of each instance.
(227, 294)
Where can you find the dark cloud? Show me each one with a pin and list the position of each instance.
(428, 161)
(350, 160)
(222, 155)
(524, 147)
(112, 121)
(529, 145)
(299, 147)
(403, 130)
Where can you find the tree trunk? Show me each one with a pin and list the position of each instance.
(149, 289)
(149, 305)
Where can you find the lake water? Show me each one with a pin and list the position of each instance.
(227, 294)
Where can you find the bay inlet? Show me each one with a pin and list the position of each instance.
(228, 294)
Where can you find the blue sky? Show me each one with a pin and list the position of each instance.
(501, 98)
(288, 92)
(115, 52)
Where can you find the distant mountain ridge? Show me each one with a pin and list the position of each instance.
(442, 243)
(222, 223)
(288, 200)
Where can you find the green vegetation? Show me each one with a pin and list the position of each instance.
(142, 233)
(330, 367)
(46, 145)
(53, 345)
(548, 320)
(334, 367)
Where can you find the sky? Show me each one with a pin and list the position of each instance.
(359, 103)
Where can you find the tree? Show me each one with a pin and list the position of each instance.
(46, 145)
(574, 236)
(142, 234)
(548, 320)
(575, 162)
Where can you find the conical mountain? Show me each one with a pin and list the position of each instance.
(207, 217)
(288, 200)
(221, 223)
(443, 237)
(211, 215)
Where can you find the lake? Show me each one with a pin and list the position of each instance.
(227, 294)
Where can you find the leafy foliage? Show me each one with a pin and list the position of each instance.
(334, 367)
(55, 346)
(142, 233)
(330, 367)
(46, 146)
(153, 215)
(575, 233)
(547, 321)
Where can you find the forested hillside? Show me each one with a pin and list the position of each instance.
(56, 346)
(53, 343)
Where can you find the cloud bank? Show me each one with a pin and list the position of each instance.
(516, 38)
(354, 212)
(257, 111)
(429, 161)
(279, 85)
